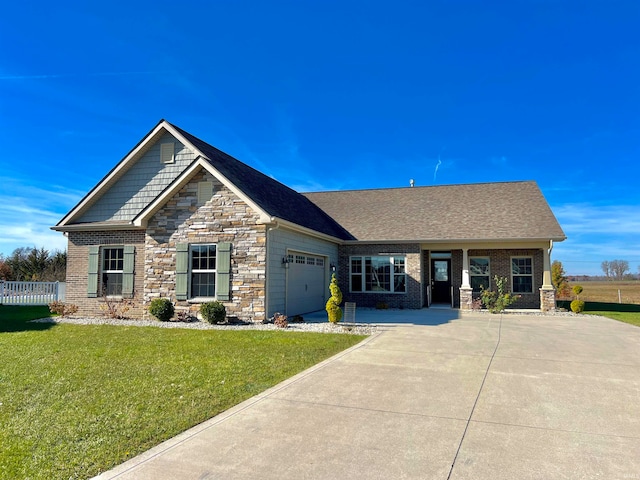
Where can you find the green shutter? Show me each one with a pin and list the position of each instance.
(128, 271)
(223, 267)
(94, 263)
(182, 270)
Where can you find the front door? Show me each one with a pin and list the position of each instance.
(441, 280)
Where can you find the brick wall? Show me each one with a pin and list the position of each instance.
(411, 299)
(78, 268)
(500, 264)
(224, 218)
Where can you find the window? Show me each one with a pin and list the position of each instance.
(479, 273)
(378, 274)
(112, 270)
(522, 274)
(203, 270)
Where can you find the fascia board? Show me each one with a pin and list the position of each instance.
(88, 227)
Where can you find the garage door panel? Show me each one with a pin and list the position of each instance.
(305, 284)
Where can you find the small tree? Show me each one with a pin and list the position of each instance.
(333, 304)
(577, 306)
(559, 279)
(498, 301)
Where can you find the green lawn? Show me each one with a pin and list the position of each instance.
(78, 400)
(627, 317)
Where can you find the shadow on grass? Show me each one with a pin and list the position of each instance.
(14, 318)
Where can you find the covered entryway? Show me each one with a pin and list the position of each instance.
(306, 283)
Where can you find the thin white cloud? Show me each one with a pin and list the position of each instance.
(596, 233)
(29, 212)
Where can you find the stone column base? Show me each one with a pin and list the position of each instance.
(466, 298)
(547, 300)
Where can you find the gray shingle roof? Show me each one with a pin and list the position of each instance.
(273, 197)
(483, 211)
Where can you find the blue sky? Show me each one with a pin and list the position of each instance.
(333, 95)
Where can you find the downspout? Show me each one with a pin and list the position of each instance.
(267, 268)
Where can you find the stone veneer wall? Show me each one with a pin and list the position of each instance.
(78, 269)
(411, 299)
(224, 218)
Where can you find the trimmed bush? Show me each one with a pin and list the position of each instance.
(333, 304)
(577, 306)
(213, 312)
(162, 309)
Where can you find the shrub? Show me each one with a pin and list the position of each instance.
(162, 309)
(382, 306)
(577, 290)
(62, 309)
(213, 312)
(577, 306)
(333, 304)
(498, 301)
(280, 320)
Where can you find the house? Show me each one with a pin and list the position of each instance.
(178, 218)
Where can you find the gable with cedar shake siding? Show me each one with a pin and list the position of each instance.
(178, 218)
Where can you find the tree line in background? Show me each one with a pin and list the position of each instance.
(30, 264)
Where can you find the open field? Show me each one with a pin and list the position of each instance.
(79, 399)
(608, 291)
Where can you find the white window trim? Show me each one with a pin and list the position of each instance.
(392, 282)
(191, 271)
(488, 275)
(532, 274)
(102, 271)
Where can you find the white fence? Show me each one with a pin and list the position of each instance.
(31, 293)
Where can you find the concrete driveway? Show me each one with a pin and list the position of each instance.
(434, 396)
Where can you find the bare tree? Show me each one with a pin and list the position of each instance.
(619, 268)
(606, 268)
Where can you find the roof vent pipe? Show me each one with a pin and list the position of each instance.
(411, 183)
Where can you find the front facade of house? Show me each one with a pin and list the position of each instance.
(177, 218)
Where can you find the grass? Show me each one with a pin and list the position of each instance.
(608, 291)
(632, 318)
(77, 400)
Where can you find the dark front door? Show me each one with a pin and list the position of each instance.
(441, 280)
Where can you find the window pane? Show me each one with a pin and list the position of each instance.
(478, 282)
(378, 270)
(399, 283)
(398, 264)
(356, 283)
(112, 283)
(441, 273)
(356, 265)
(203, 284)
(521, 266)
(523, 284)
(479, 266)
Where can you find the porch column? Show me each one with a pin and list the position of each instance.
(547, 284)
(547, 292)
(465, 268)
(466, 292)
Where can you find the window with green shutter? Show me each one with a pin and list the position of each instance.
(203, 271)
(111, 271)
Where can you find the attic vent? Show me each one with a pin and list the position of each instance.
(167, 153)
(205, 192)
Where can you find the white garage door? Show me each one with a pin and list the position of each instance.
(305, 283)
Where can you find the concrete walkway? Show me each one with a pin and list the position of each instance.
(434, 396)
